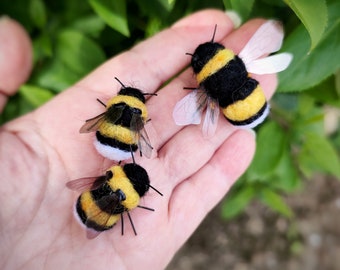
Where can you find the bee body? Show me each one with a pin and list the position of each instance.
(225, 82)
(224, 78)
(104, 199)
(120, 130)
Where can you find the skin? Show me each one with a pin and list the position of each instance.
(42, 150)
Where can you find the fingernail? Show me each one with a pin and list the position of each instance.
(4, 19)
(234, 17)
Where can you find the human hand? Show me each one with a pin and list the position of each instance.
(43, 150)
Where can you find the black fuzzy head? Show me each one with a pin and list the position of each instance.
(133, 92)
(203, 54)
(138, 177)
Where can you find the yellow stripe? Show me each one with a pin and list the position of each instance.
(218, 61)
(244, 109)
(95, 214)
(117, 132)
(120, 181)
(130, 101)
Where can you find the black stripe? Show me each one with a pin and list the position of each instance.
(225, 82)
(80, 211)
(126, 114)
(138, 177)
(247, 88)
(115, 143)
(133, 92)
(251, 119)
(203, 54)
(87, 222)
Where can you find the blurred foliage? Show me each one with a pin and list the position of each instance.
(71, 38)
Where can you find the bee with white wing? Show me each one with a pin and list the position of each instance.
(224, 81)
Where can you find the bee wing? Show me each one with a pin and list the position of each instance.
(189, 109)
(86, 183)
(92, 124)
(267, 39)
(137, 127)
(144, 143)
(211, 118)
(271, 64)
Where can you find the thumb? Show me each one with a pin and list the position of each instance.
(15, 58)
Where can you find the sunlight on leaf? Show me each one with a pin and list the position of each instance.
(275, 202)
(35, 95)
(309, 69)
(113, 13)
(237, 201)
(313, 14)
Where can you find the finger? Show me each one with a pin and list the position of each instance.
(162, 126)
(15, 58)
(149, 64)
(208, 186)
(78, 103)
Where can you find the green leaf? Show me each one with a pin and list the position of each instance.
(313, 14)
(167, 5)
(16, 106)
(286, 175)
(319, 153)
(57, 76)
(37, 12)
(337, 82)
(35, 95)
(326, 92)
(42, 47)
(113, 13)
(242, 7)
(269, 150)
(79, 53)
(154, 26)
(309, 69)
(237, 201)
(275, 202)
(91, 25)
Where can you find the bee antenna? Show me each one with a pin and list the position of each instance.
(149, 94)
(189, 54)
(133, 157)
(133, 226)
(101, 102)
(120, 82)
(213, 37)
(189, 88)
(146, 208)
(122, 222)
(155, 190)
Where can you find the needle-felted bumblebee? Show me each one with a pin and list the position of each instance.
(120, 129)
(104, 199)
(225, 81)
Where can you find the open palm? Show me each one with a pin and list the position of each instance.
(43, 150)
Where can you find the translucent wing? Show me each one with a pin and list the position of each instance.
(86, 183)
(144, 143)
(189, 109)
(211, 118)
(267, 39)
(112, 114)
(142, 138)
(92, 124)
(270, 64)
(137, 123)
